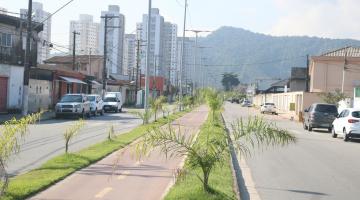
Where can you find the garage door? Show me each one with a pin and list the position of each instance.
(3, 93)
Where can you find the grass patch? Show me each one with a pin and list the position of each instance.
(221, 180)
(58, 168)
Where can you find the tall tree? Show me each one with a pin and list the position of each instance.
(229, 81)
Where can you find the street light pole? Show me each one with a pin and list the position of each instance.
(182, 57)
(146, 99)
(195, 69)
(27, 62)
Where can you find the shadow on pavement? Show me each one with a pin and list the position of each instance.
(295, 191)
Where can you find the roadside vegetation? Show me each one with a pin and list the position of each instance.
(11, 135)
(56, 169)
(71, 132)
(207, 173)
(333, 97)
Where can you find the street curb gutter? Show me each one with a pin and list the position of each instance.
(239, 182)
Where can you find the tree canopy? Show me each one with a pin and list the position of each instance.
(229, 81)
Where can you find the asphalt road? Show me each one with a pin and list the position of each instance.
(45, 140)
(316, 167)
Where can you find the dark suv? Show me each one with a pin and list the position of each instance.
(320, 115)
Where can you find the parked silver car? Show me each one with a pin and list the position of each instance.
(73, 105)
(96, 104)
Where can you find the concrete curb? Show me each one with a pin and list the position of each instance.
(44, 117)
(243, 184)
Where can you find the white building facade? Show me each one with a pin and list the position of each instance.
(157, 60)
(115, 39)
(170, 51)
(39, 15)
(87, 41)
(129, 63)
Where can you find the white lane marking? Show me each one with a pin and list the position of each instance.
(123, 175)
(103, 192)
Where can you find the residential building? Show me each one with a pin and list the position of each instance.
(12, 52)
(336, 70)
(41, 16)
(170, 51)
(129, 63)
(90, 65)
(156, 60)
(115, 39)
(87, 41)
(298, 79)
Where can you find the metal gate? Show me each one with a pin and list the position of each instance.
(3, 93)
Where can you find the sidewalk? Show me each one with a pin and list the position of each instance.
(131, 179)
(45, 116)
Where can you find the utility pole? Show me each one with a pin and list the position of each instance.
(344, 68)
(146, 99)
(182, 57)
(25, 98)
(74, 46)
(104, 76)
(194, 71)
(307, 73)
(137, 67)
(90, 61)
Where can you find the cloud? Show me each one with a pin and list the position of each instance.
(323, 18)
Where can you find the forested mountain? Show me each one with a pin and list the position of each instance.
(255, 55)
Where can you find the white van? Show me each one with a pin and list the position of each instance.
(113, 102)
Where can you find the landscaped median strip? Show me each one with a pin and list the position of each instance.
(221, 178)
(56, 169)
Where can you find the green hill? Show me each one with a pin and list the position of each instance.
(255, 55)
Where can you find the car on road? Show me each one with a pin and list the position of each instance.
(320, 115)
(246, 103)
(268, 108)
(112, 102)
(235, 100)
(347, 124)
(73, 105)
(96, 104)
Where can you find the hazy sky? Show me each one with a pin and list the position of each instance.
(323, 18)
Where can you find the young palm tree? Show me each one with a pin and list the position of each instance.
(257, 133)
(210, 152)
(71, 132)
(11, 134)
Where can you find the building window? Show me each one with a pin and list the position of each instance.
(5, 40)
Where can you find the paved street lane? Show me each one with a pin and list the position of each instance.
(46, 140)
(317, 167)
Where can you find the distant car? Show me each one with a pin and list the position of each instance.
(347, 124)
(112, 102)
(268, 108)
(320, 115)
(246, 103)
(96, 104)
(73, 105)
(235, 100)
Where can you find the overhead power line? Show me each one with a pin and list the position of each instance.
(48, 17)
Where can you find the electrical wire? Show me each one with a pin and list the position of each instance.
(48, 17)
